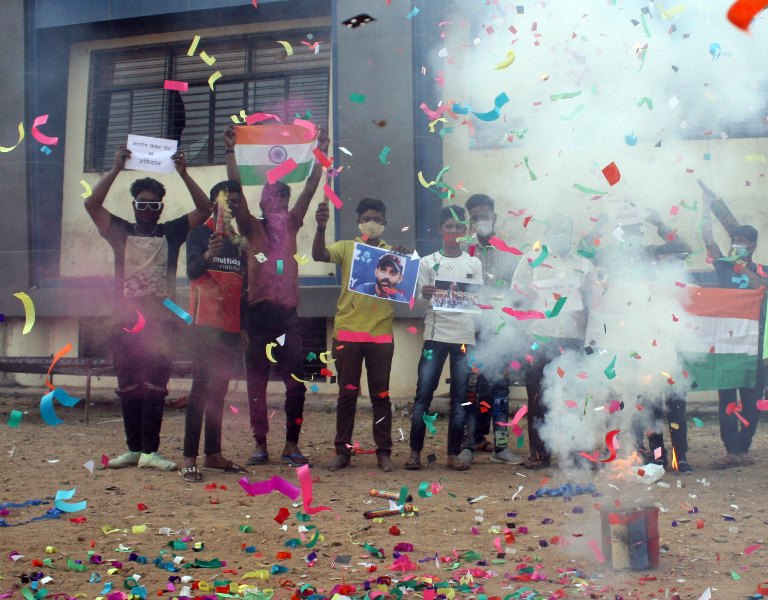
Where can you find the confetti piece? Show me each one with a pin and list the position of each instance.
(89, 465)
(287, 46)
(57, 356)
(268, 350)
(322, 158)
(541, 257)
(413, 13)
(46, 150)
(523, 315)
(611, 174)
(429, 421)
(47, 410)
(357, 98)
(383, 155)
(556, 308)
(645, 101)
(21, 137)
(302, 259)
(630, 139)
(193, 46)
(177, 310)
(762, 405)
(279, 266)
(586, 190)
(531, 174)
(305, 480)
(67, 507)
(139, 325)
(505, 63)
(29, 311)
(697, 422)
(331, 195)
(574, 113)
(597, 550)
(564, 96)
(213, 79)
(234, 409)
(281, 170)
(494, 113)
(208, 60)
(609, 371)
(610, 443)
(345, 151)
(499, 244)
(14, 418)
(88, 191)
(178, 86)
(41, 137)
(742, 12)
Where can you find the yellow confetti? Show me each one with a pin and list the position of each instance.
(295, 378)
(505, 63)
(324, 357)
(671, 13)
(88, 191)
(213, 79)
(208, 60)
(302, 259)
(260, 574)
(269, 348)
(29, 310)
(193, 46)
(755, 158)
(139, 529)
(287, 46)
(107, 529)
(423, 181)
(21, 137)
(435, 122)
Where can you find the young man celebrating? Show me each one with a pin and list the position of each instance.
(362, 331)
(273, 300)
(146, 253)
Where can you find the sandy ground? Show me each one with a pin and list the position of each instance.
(723, 551)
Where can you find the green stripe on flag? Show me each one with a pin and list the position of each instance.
(715, 371)
(257, 175)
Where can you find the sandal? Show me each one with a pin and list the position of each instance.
(191, 474)
(296, 459)
(230, 467)
(484, 446)
(413, 465)
(259, 458)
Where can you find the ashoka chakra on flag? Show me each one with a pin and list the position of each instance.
(261, 148)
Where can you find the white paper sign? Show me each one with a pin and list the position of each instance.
(151, 154)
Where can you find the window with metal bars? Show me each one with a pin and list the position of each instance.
(126, 92)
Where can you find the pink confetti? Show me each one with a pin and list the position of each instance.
(139, 325)
(331, 195)
(752, 548)
(524, 315)
(308, 125)
(273, 484)
(234, 409)
(281, 170)
(674, 210)
(516, 365)
(178, 86)
(680, 284)
(104, 460)
(582, 375)
(412, 330)
(500, 244)
(597, 550)
(259, 117)
(571, 403)
(762, 405)
(305, 480)
(41, 137)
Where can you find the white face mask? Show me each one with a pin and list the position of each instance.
(483, 228)
(372, 229)
(739, 250)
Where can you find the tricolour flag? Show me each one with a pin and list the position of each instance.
(261, 148)
(720, 338)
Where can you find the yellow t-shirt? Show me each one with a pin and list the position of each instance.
(358, 313)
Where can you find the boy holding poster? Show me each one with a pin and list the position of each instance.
(448, 330)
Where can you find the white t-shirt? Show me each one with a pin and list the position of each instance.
(443, 326)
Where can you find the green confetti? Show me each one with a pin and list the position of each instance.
(424, 489)
(403, 495)
(357, 98)
(647, 101)
(609, 371)
(520, 441)
(688, 207)
(445, 131)
(427, 354)
(429, 421)
(573, 114)
(530, 171)
(556, 308)
(645, 25)
(311, 356)
(735, 576)
(500, 327)
(373, 551)
(586, 252)
(14, 419)
(586, 190)
(383, 155)
(564, 95)
(541, 257)
(697, 422)
(75, 566)
(279, 267)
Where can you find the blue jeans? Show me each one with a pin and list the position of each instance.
(430, 368)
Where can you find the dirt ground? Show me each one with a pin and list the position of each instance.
(718, 547)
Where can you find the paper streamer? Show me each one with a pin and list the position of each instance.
(281, 170)
(523, 315)
(29, 311)
(500, 244)
(47, 410)
(610, 443)
(305, 480)
(139, 325)
(742, 12)
(425, 490)
(177, 310)
(493, 114)
(39, 136)
(273, 484)
(179, 86)
(62, 495)
(331, 195)
(21, 137)
(541, 257)
(56, 358)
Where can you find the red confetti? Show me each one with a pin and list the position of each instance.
(394, 530)
(742, 12)
(610, 443)
(142, 507)
(611, 174)
(282, 515)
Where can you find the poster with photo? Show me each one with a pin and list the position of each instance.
(457, 295)
(383, 274)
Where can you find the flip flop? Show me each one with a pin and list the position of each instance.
(230, 467)
(296, 459)
(191, 474)
(259, 458)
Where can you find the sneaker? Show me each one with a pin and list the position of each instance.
(683, 467)
(466, 456)
(155, 461)
(506, 456)
(129, 459)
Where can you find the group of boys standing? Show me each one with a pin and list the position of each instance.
(244, 292)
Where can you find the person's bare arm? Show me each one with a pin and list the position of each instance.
(94, 204)
(706, 230)
(243, 217)
(719, 208)
(199, 197)
(301, 207)
(663, 231)
(319, 250)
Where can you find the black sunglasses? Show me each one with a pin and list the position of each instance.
(140, 205)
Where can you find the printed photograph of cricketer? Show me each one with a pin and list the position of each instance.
(460, 295)
(383, 274)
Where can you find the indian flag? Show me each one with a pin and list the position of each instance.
(720, 337)
(261, 148)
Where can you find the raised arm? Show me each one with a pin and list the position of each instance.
(706, 229)
(199, 197)
(94, 204)
(319, 251)
(719, 208)
(245, 220)
(663, 230)
(301, 207)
